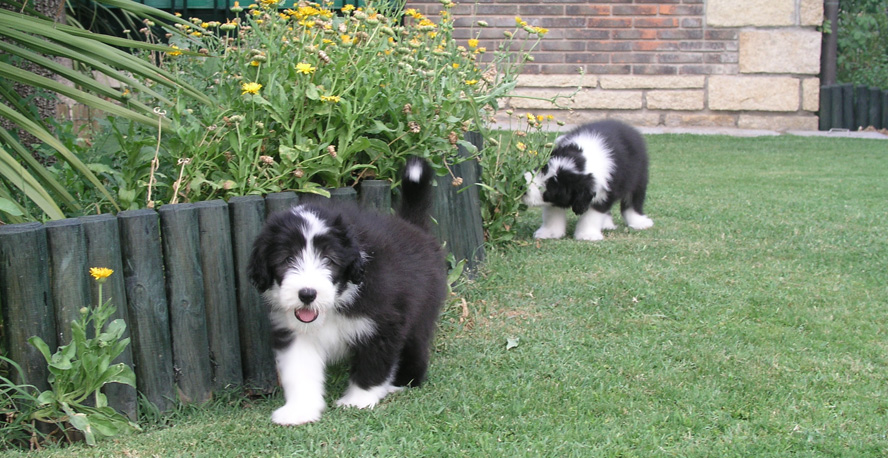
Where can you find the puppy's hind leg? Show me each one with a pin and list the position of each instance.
(372, 372)
(554, 224)
(633, 211)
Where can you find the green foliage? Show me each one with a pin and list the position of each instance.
(29, 39)
(16, 403)
(505, 160)
(304, 99)
(79, 370)
(862, 54)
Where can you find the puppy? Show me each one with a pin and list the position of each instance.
(591, 168)
(346, 282)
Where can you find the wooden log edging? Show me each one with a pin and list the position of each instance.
(846, 106)
(196, 323)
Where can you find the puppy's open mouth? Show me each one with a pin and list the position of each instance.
(306, 315)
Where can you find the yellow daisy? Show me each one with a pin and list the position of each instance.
(250, 88)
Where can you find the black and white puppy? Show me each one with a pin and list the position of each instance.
(591, 168)
(342, 282)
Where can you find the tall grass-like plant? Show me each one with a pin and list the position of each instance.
(28, 38)
(16, 403)
(306, 99)
(80, 369)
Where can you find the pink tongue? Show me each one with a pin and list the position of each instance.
(306, 315)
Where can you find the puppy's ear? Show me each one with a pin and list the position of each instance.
(259, 269)
(352, 259)
(581, 200)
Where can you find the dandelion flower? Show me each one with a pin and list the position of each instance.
(175, 51)
(100, 273)
(250, 88)
(305, 68)
(471, 82)
(330, 98)
(473, 43)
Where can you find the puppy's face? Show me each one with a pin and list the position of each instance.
(306, 264)
(559, 183)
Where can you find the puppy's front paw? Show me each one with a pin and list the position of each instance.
(641, 222)
(590, 236)
(356, 396)
(608, 224)
(546, 233)
(291, 414)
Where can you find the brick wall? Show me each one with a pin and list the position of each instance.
(749, 64)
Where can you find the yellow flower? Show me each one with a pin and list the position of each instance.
(550, 117)
(254, 63)
(520, 22)
(305, 68)
(251, 88)
(521, 146)
(455, 65)
(473, 43)
(347, 8)
(540, 118)
(471, 82)
(100, 273)
(176, 51)
(330, 98)
(540, 31)
(346, 40)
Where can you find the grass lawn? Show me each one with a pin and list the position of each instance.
(749, 321)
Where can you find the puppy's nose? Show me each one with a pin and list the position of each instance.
(307, 295)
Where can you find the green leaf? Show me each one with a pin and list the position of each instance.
(9, 207)
(41, 346)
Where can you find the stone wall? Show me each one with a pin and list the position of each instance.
(721, 63)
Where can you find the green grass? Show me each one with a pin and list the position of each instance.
(749, 321)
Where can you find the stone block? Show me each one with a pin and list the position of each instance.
(685, 100)
(699, 120)
(811, 94)
(780, 123)
(755, 13)
(575, 80)
(811, 13)
(780, 51)
(540, 99)
(742, 93)
(637, 118)
(652, 82)
(608, 100)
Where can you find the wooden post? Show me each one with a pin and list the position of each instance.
(825, 111)
(247, 214)
(837, 103)
(861, 106)
(185, 293)
(457, 209)
(280, 201)
(347, 194)
(103, 250)
(217, 264)
(376, 194)
(148, 307)
(875, 108)
(847, 106)
(69, 274)
(26, 298)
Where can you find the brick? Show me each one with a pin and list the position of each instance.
(780, 51)
(541, 10)
(609, 23)
(612, 46)
(635, 10)
(634, 34)
(496, 10)
(654, 70)
(692, 23)
(621, 69)
(742, 93)
(680, 58)
(679, 34)
(573, 46)
(635, 58)
(652, 82)
(587, 10)
(655, 22)
(585, 58)
(727, 35)
(681, 10)
(654, 45)
(684, 100)
(637, 118)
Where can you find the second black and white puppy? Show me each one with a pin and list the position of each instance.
(591, 168)
(342, 282)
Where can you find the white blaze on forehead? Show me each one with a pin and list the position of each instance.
(313, 225)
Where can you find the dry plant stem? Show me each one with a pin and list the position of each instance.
(155, 162)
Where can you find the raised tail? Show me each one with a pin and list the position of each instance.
(416, 192)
